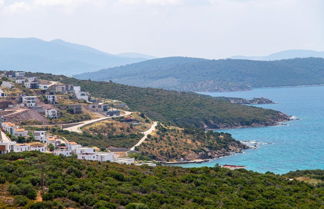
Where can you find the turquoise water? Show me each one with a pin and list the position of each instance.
(296, 145)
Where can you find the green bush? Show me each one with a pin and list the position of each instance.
(137, 206)
(21, 200)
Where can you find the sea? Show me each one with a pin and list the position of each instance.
(294, 145)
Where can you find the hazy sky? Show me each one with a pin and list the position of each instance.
(199, 28)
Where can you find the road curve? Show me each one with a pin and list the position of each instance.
(146, 133)
(77, 128)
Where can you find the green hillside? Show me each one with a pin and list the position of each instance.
(34, 180)
(192, 74)
(179, 108)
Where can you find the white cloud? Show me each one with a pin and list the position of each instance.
(60, 2)
(203, 28)
(153, 2)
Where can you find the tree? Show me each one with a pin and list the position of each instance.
(51, 147)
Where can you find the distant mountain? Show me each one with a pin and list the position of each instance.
(193, 74)
(57, 56)
(136, 55)
(289, 54)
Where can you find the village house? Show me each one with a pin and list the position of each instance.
(19, 75)
(36, 146)
(113, 113)
(29, 101)
(6, 147)
(44, 86)
(51, 113)
(72, 146)
(105, 156)
(7, 84)
(40, 136)
(20, 132)
(99, 107)
(51, 98)
(20, 81)
(62, 151)
(21, 147)
(80, 95)
(75, 109)
(54, 140)
(127, 161)
(31, 83)
(10, 74)
(8, 127)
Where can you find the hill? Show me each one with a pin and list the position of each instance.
(178, 108)
(193, 74)
(288, 54)
(57, 56)
(34, 180)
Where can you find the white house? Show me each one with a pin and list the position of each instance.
(20, 132)
(72, 146)
(85, 150)
(54, 141)
(20, 81)
(44, 86)
(6, 147)
(126, 161)
(8, 127)
(106, 156)
(80, 95)
(38, 147)
(52, 99)
(21, 148)
(51, 113)
(63, 152)
(40, 136)
(7, 84)
(29, 101)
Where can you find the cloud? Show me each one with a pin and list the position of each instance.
(153, 2)
(60, 2)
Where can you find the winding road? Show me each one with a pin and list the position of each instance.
(146, 133)
(77, 128)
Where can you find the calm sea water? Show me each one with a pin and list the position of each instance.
(296, 145)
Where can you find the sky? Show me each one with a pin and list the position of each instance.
(195, 28)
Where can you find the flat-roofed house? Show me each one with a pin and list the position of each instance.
(21, 148)
(6, 146)
(51, 113)
(36, 146)
(62, 151)
(51, 98)
(73, 146)
(20, 132)
(40, 136)
(29, 101)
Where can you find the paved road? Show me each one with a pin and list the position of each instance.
(146, 133)
(77, 128)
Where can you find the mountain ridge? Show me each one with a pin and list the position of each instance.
(195, 74)
(286, 54)
(56, 56)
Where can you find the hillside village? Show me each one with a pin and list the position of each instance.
(40, 103)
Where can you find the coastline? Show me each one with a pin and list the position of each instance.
(250, 144)
(278, 123)
(265, 87)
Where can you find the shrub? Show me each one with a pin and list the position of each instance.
(21, 200)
